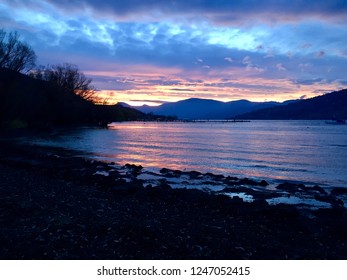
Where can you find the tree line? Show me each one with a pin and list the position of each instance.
(54, 94)
(18, 56)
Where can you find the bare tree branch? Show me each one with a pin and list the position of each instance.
(15, 54)
(68, 77)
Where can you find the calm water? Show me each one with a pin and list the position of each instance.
(308, 151)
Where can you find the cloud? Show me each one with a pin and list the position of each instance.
(280, 67)
(209, 47)
(182, 89)
(222, 12)
(308, 81)
(320, 54)
(304, 66)
(250, 66)
(306, 46)
(247, 60)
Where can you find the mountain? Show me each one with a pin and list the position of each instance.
(196, 108)
(330, 105)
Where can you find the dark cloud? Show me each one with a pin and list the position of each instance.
(308, 81)
(182, 45)
(182, 89)
(220, 11)
(164, 82)
(320, 54)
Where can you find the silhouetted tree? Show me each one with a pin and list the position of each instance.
(68, 77)
(15, 54)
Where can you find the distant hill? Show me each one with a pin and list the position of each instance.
(195, 108)
(328, 106)
(28, 102)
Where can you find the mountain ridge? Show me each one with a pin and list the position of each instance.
(198, 108)
(327, 106)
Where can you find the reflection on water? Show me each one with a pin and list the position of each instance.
(307, 151)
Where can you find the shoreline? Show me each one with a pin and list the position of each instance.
(59, 205)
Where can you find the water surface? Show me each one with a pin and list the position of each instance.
(311, 152)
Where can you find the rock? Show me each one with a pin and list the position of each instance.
(339, 191)
(319, 189)
(177, 172)
(249, 182)
(329, 199)
(289, 187)
(114, 174)
(170, 173)
(237, 200)
(263, 183)
(194, 174)
(164, 171)
(163, 184)
(303, 187)
(134, 169)
(229, 178)
(217, 177)
(260, 203)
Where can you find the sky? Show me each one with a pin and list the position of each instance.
(155, 51)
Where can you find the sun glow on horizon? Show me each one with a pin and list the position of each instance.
(155, 53)
(137, 99)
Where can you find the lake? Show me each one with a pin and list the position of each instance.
(311, 152)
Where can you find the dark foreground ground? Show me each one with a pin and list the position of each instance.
(53, 206)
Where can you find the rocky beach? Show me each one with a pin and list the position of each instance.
(60, 204)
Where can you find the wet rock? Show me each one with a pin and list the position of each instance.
(134, 167)
(339, 191)
(194, 174)
(303, 187)
(231, 183)
(170, 173)
(249, 182)
(177, 172)
(164, 171)
(163, 184)
(288, 187)
(217, 177)
(330, 199)
(149, 186)
(229, 178)
(237, 200)
(263, 183)
(260, 203)
(319, 189)
(114, 174)
(134, 170)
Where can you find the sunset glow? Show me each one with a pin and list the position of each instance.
(151, 52)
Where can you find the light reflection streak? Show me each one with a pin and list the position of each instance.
(277, 150)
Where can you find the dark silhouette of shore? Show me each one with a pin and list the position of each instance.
(55, 204)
